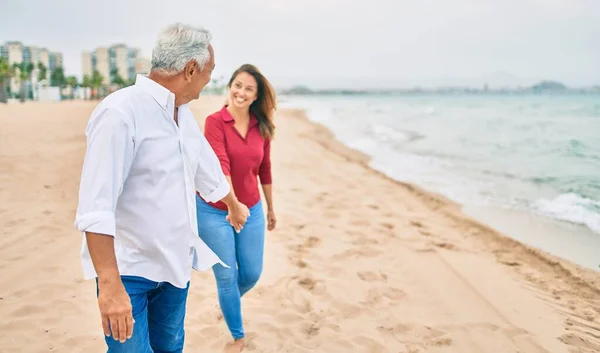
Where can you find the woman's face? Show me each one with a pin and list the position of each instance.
(243, 91)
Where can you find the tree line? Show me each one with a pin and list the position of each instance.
(24, 73)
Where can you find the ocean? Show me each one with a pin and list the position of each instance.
(527, 165)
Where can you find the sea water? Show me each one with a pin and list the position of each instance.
(526, 164)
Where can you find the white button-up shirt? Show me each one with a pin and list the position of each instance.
(138, 184)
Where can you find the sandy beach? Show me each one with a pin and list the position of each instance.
(358, 263)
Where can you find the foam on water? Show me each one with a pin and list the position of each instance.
(571, 208)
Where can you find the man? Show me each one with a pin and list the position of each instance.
(145, 159)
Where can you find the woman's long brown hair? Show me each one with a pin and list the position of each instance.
(264, 106)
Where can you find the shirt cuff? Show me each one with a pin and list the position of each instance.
(101, 222)
(217, 194)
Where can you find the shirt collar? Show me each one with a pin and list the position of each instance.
(161, 94)
(228, 118)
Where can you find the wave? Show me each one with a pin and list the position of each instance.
(571, 208)
(393, 135)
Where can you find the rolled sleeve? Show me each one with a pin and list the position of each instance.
(209, 179)
(97, 222)
(217, 194)
(107, 161)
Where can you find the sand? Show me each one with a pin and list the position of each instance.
(359, 262)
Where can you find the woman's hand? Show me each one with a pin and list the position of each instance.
(271, 220)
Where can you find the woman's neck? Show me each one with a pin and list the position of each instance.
(241, 115)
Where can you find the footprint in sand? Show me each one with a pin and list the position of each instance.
(300, 249)
(376, 296)
(417, 224)
(293, 297)
(296, 248)
(445, 245)
(425, 233)
(360, 238)
(307, 283)
(581, 342)
(311, 329)
(394, 293)
(387, 226)
(322, 196)
(357, 253)
(300, 264)
(312, 242)
(365, 241)
(419, 336)
(315, 287)
(369, 276)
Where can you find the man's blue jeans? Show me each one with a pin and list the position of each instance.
(244, 249)
(159, 314)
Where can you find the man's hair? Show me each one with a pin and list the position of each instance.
(177, 45)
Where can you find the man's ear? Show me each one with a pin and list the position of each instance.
(190, 69)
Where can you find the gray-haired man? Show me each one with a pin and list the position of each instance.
(145, 159)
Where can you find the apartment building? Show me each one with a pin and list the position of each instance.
(17, 52)
(117, 58)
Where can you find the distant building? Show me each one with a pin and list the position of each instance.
(118, 58)
(16, 53)
(3, 51)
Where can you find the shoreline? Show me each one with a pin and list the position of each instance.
(581, 276)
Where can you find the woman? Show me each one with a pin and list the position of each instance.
(240, 134)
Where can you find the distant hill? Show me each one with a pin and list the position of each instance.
(545, 86)
(549, 86)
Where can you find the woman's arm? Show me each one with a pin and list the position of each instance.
(266, 181)
(268, 191)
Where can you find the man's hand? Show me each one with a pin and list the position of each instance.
(237, 216)
(115, 310)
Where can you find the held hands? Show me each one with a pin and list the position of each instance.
(238, 215)
(115, 310)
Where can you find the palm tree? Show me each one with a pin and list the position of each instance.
(6, 73)
(72, 82)
(96, 82)
(86, 82)
(57, 77)
(42, 72)
(24, 70)
(116, 78)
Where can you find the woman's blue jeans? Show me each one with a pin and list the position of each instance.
(242, 251)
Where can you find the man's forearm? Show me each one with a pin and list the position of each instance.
(230, 199)
(102, 252)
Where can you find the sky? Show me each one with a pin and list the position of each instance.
(340, 44)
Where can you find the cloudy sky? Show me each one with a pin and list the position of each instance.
(337, 43)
